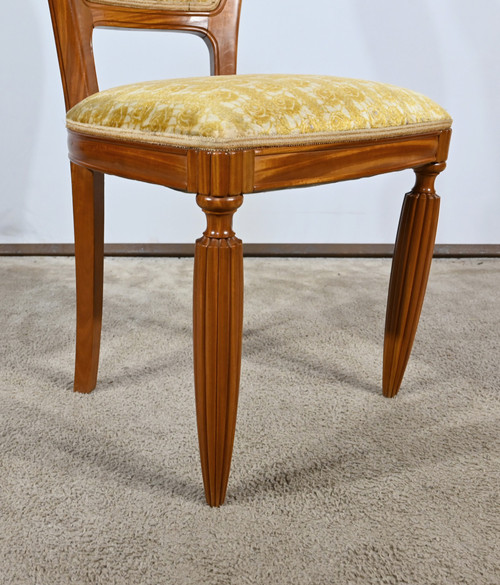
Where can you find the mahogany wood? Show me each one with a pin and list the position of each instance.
(141, 162)
(410, 271)
(72, 24)
(248, 171)
(88, 213)
(74, 20)
(220, 173)
(218, 28)
(220, 178)
(217, 331)
(328, 163)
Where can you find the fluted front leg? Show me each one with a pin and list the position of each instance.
(218, 322)
(410, 271)
(88, 214)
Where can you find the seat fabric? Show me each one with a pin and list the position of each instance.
(236, 111)
(184, 5)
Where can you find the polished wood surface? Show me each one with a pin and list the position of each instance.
(410, 271)
(309, 165)
(141, 162)
(249, 171)
(220, 178)
(220, 173)
(217, 331)
(88, 214)
(74, 21)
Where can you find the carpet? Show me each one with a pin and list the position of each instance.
(331, 483)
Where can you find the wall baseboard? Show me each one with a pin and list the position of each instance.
(257, 250)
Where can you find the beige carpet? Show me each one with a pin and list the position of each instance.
(331, 483)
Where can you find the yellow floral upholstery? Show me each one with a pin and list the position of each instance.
(237, 111)
(185, 5)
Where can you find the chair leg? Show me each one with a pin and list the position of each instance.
(410, 271)
(217, 330)
(88, 215)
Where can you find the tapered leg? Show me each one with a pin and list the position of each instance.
(410, 271)
(88, 214)
(218, 321)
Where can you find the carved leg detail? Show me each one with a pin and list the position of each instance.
(217, 329)
(410, 271)
(88, 213)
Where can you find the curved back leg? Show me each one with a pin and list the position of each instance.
(88, 214)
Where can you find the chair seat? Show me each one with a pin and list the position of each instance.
(237, 111)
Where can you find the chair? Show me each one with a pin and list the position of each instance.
(221, 137)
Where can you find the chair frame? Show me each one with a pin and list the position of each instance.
(220, 178)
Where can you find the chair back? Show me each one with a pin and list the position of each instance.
(73, 21)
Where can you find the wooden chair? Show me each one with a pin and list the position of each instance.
(220, 138)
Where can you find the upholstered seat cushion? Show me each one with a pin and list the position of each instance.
(237, 111)
(184, 5)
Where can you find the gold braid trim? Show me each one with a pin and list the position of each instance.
(209, 143)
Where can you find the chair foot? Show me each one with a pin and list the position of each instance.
(88, 214)
(217, 330)
(410, 271)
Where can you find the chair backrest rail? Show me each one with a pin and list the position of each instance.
(74, 21)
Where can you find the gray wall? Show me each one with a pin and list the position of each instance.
(447, 49)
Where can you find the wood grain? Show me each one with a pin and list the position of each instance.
(74, 21)
(220, 173)
(73, 26)
(149, 163)
(217, 332)
(277, 168)
(220, 177)
(224, 173)
(88, 211)
(410, 272)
